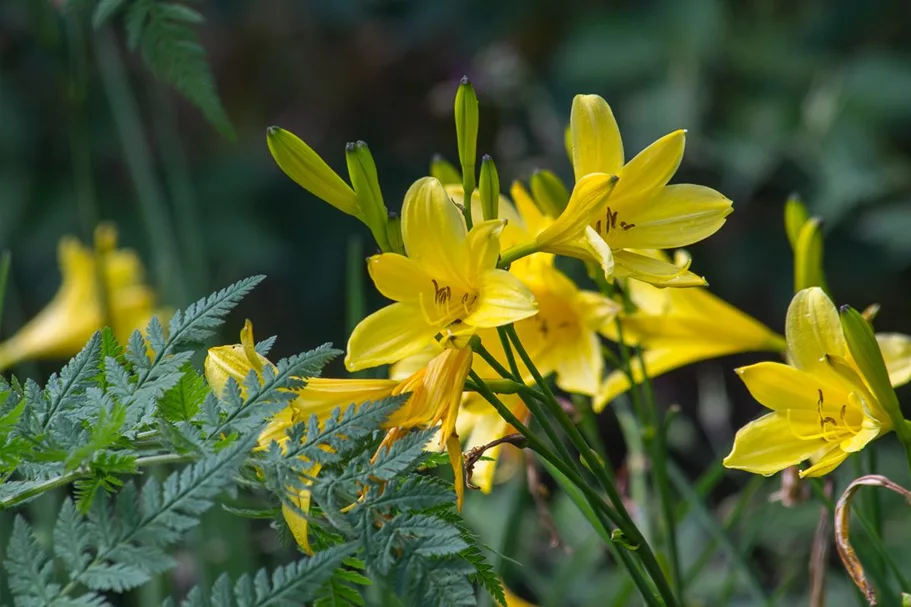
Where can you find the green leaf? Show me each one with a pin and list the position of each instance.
(181, 402)
(104, 11)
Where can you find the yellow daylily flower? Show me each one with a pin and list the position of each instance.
(896, 350)
(63, 327)
(822, 406)
(563, 336)
(513, 600)
(643, 212)
(236, 361)
(677, 327)
(448, 283)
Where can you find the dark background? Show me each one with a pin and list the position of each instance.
(778, 97)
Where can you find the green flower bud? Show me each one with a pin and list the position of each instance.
(808, 250)
(868, 357)
(362, 170)
(795, 215)
(489, 188)
(549, 193)
(308, 170)
(466, 122)
(394, 234)
(443, 170)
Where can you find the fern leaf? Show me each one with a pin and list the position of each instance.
(181, 402)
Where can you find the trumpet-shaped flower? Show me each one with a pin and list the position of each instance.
(677, 327)
(823, 408)
(448, 282)
(643, 211)
(89, 296)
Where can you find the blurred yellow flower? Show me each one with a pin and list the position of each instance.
(822, 406)
(236, 361)
(78, 309)
(447, 284)
(677, 327)
(643, 212)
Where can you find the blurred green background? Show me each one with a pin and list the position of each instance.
(778, 97)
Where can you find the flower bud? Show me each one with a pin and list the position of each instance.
(394, 234)
(549, 193)
(795, 215)
(362, 171)
(443, 170)
(489, 188)
(868, 357)
(808, 270)
(308, 170)
(466, 122)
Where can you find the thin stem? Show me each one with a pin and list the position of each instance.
(139, 163)
(489, 358)
(65, 479)
(510, 357)
(593, 499)
(656, 440)
(517, 252)
(600, 471)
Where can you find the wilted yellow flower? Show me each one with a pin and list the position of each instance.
(63, 327)
(448, 283)
(677, 327)
(823, 408)
(643, 212)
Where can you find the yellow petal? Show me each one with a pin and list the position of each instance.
(484, 246)
(455, 460)
(826, 464)
(277, 429)
(869, 430)
(512, 600)
(589, 246)
(678, 216)
(434, 232)
(296, 522)
(388, 335)
(644, 175)
(398, 277)
(580, 365)
(896, 349)
(502, 299)
(589, 199)
(597, 311)
(534, 220)
(308, 170)
(654, 271)
(813, 329)
(766, 446)
(223, 362)
(780, 387)
(515, 230)
(596, 143)
(322, 395)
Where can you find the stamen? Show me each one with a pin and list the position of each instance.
(804, 436)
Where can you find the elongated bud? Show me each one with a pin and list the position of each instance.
(394, 234)
(443, 170)
(808, 250)
(795, 215)
(549, 193)
(308, 170)
(466, 122)
(490, 188)
(868, 357)
(362, 170)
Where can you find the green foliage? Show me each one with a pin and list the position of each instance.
(403, 522)
(164, 34)
(113, 410)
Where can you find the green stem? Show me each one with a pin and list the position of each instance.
(138, 159)
(601, 472)
(184, 201)
(636, 463)
(593, 499)
(69, 477)
(510, 357)
(468, 190)
(657, 442)
(516, 252)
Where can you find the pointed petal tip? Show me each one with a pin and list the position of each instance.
(464, 80)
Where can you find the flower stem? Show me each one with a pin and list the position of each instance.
(601, 472)
(517, 252)
(65, 479)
